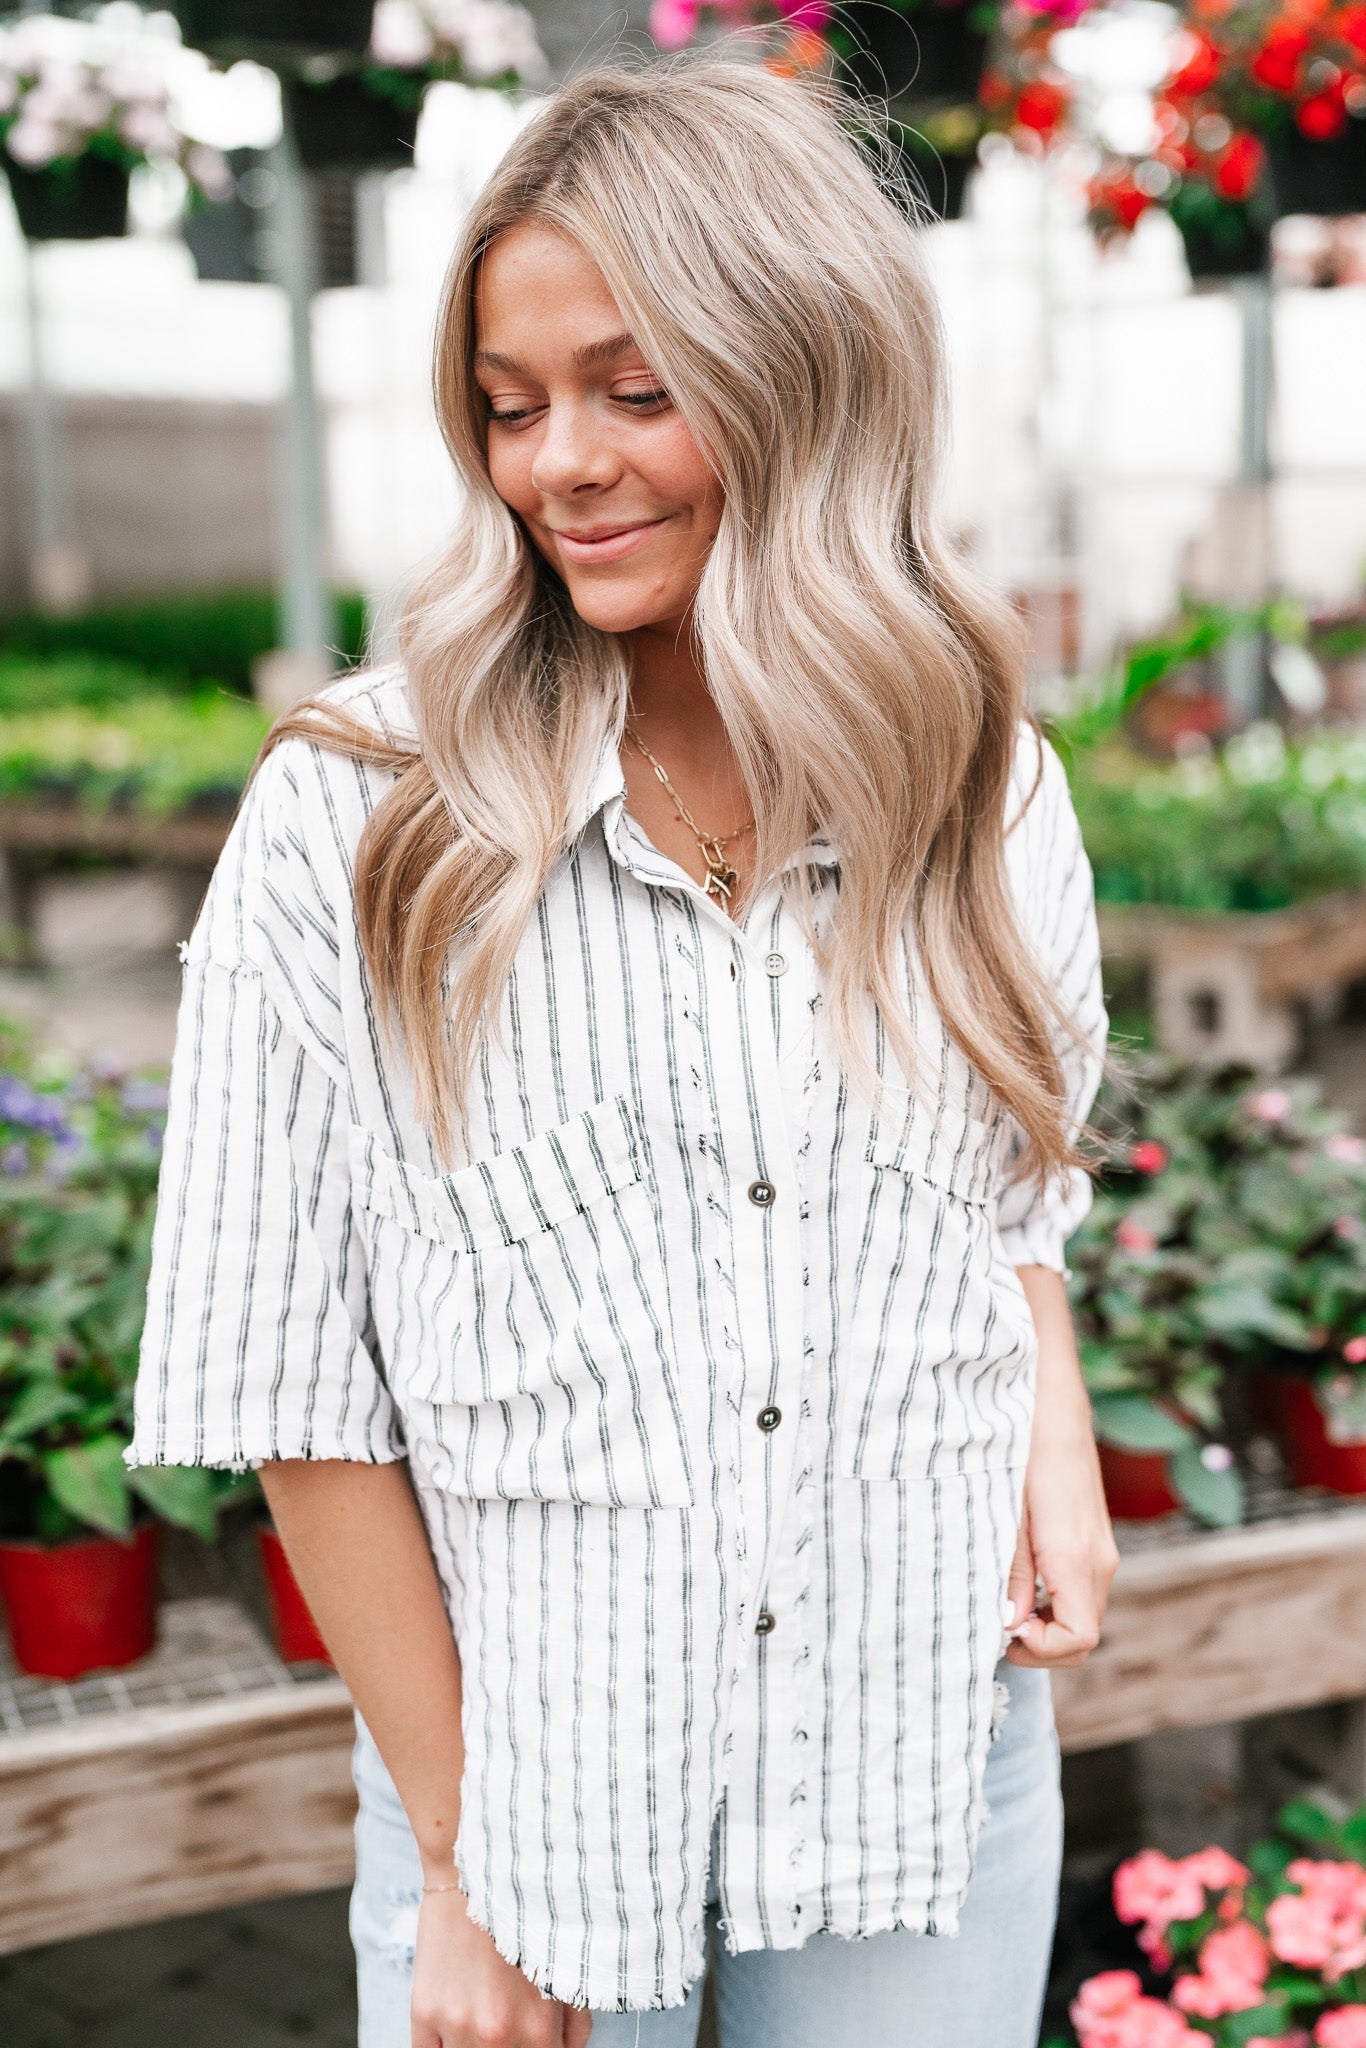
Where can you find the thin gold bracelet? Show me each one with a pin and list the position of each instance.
(442, 1888)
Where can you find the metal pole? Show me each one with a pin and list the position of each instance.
(1244, 655)
(308, 626)
(59, 577)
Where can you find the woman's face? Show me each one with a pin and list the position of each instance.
(583, 444)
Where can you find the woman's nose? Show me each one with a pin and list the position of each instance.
(572, 453)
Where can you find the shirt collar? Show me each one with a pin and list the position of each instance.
(605, 795)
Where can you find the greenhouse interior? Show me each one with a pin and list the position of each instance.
(223, 239)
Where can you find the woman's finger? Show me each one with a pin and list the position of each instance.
(1023, 1579)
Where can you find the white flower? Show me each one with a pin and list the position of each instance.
(147, 128)
(34, 143)
(400, 36)
(208, 169)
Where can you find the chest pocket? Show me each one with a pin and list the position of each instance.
(521, 1307)
(939, 1363)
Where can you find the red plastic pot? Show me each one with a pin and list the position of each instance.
(83, 1606)
(296, 1632)
(1311, 1455)
(1136, 1484)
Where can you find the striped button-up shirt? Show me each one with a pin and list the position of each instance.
(715, 1381)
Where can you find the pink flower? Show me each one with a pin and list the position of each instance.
(1133, 1237)
(1216, 1869)
(1348, 1227)
(1233, 1967)
(1323, 1927)
(1354, 1351)
(1147, 2023)
(811, 15)
(1345, 1148)
(1345, 2028)
(1271, 1105)
(1105, 1997)
(673, 23)
(1152, 1888)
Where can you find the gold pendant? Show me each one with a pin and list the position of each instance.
(720, 881)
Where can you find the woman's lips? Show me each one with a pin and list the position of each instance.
(609, 545)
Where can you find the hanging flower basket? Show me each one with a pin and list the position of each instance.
(350, 124)
(82, 105)
(1327, 178)
(89, 1605)
(85, 200)
(276, 32)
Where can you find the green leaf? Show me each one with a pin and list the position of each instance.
(1133, 1422)
(1266, 2021)
(1216, 1498)
(40, 1405)
(183, 1494)
(1305, 1822)
(91, 1482)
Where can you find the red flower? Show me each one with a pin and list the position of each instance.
(1200, 69)
(1239, 168)
(1322, 116)
(1350, 25)
(1277, 64)
(1147, 1156)
(1041, 106)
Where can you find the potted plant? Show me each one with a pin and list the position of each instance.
(1241, 1955)
(1220, 1283)
(82, 104)
(365, 117)
(78, 1531)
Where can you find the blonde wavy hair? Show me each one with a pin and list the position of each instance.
(868, 682)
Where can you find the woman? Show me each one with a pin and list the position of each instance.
(623, 1141)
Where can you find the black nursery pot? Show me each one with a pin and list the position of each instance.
(276, 31)
(1212, 254)
(1327, 178)
(345, 126)
(84, 201)
(932, 51)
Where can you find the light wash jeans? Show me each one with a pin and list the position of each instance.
(981, 1989)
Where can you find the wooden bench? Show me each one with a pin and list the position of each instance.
(1232, 985)
(35, 838)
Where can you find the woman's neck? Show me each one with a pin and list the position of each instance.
(669, 694)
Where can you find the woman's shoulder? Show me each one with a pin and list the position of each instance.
(1038, 781)
(286, 875)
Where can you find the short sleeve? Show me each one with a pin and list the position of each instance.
(254, 1346)
(1051, 877)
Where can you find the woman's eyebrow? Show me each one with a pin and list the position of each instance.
(590, 356)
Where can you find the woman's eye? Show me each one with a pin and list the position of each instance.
(510, 413)
(642, 400)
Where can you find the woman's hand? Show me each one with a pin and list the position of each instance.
(1065, 1537)
(466, 1996)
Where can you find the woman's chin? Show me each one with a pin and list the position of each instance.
(627, 609)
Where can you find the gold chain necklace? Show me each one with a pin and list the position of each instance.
(721, 876)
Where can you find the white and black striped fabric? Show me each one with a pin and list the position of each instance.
(715, 1384)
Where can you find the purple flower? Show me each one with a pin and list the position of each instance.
(48, 1113)
(16, 1100)
(155, 1133)
(143, 1098)
(14, 1159)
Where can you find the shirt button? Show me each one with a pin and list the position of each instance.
(775, 963)
(764, 1624)
(762, 1193)
(769, 1418)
